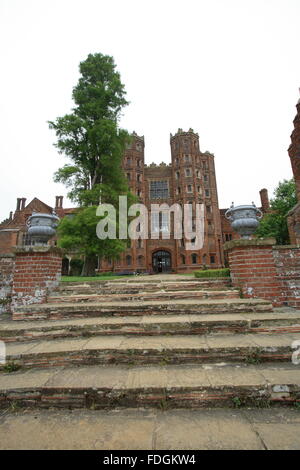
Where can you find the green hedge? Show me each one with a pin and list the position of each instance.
(213, 273)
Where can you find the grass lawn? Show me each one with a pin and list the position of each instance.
(105, 278)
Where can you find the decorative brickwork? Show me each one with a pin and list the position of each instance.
(7, 262)
(37, 270)
(261, 269)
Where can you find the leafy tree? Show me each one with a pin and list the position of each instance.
(90, 137)
(78, 233)
(274, 223)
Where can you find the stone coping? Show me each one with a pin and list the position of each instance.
(286, 247)
(7, 255)
(38, 249)
(258, 242)
(242, 242)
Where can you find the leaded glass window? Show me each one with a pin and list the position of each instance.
(159, 190)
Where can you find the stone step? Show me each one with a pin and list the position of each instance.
(278, 322)
(98, 387)
(185, 349)
(134, 287)
(144, 296)
(171, 307)
(151, 429)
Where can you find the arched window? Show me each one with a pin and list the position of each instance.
(128, 260)
(182, 259)
(194, 258)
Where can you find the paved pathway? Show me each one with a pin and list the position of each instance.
(213, 429)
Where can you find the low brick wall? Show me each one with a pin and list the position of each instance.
(261, 269)
(7, 262)
(37, 270)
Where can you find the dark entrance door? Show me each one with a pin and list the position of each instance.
(161, 261)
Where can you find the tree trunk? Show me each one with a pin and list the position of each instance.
(89, 266)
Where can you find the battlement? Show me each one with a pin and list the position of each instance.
(158, 165)
(180, 132)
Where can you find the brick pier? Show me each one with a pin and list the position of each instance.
(262, 269)
(37, 270)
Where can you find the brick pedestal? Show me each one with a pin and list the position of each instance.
(261, 269)
(253, 269)
(37, 271)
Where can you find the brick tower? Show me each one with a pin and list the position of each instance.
(188, 179)
(294, 150)
(194, 181)
(134, 258)
(294, 153)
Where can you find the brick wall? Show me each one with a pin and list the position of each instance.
(261, 269)
(7, 262)
(37, 270)
(287, 262)
(8, 239)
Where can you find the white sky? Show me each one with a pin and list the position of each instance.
(229, 69)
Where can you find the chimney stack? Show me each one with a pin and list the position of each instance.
(59, 202)
(21, 203)
(265, 205)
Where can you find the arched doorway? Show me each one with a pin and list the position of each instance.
(161, 261)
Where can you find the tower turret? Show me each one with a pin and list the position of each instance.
(194, 181)
(133, 164)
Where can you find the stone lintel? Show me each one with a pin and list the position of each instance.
(242, 242)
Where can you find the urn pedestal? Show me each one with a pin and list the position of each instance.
(42, 227)
(244, 219)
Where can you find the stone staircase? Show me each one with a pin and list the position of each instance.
(169, 341)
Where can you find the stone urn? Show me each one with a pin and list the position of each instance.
(244, 219)
(42, 227)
